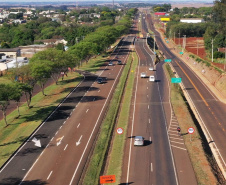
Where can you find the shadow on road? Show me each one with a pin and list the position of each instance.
(16, 181)
(126, 183)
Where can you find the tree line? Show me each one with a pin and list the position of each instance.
(51, 63)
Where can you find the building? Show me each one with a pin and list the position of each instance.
(10, 52)
(192, 20)
(51, 41)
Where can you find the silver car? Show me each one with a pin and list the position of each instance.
(138, 141)
(143, 75)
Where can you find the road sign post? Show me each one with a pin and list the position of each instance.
(120, 130)
(107, 179)
(191, 130)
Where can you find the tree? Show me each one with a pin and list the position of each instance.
(41, 72)
(5, 96)
(17, 94)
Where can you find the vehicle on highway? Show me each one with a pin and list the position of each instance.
(110, 63)
(143, 75)
(138, 141)
(101, 80)
(119, 62)
(151, 68)
(151, 78)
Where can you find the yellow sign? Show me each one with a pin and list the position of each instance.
(165, 19)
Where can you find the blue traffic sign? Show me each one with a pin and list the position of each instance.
(167, 60)
(167, 41)
(181, 52)
(175, 80)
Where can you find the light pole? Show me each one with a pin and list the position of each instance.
(224, 57)
(184, 43)
(197, 47)
(212, 50)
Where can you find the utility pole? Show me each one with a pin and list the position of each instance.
(179, 37)
(174, 38)
(224, 57)
(212, 50)
(113, 5)
(197, 47)
(184, 43)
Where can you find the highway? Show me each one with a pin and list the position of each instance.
(211, 111)
(148, 164)
(68, 135)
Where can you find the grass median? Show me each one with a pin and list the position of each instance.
(199, 152)
(115, 160)
(20, 128)
(97, 160)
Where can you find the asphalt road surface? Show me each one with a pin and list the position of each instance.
(211, 111)
(68, 135)
(152, 163)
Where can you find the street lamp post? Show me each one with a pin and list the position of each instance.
(212, 50)
(184, 43)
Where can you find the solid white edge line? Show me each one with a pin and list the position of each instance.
(96, 123)
(151, 167)
(134, 109)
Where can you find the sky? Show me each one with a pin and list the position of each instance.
(97, 0)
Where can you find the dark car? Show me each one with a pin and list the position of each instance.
(101, 80)
(119, 62)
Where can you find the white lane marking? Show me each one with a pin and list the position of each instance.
(52, 139)
(164, 116)
(60, 127)
(97, 122)
(49, 175)
(64, 122)
(147, 87)
(79, 141)
(176, 138)
(99, 91)
(177, 142)
(147, 96)
(151, 167)
(65, 147)
(78, 125)
(173, 134)
(59, 140)
(87, 110)
(172, 131)
(74, 109)
(67, 118)
(56, 133)
(148, 106)
(149, 120)
(178, 147)
(23, 169)
(133, 120)
(150, 138)
(70, 113)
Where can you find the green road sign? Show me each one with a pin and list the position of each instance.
(181, 52)
(175, 80)
(167, 60)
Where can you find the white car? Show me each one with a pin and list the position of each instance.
(138, 141)
(151, 78)
(110, 63)
(151, 68)
(143, 75)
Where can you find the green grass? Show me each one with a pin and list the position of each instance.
(4, 80)
(19, 128)
(97, 159)
(201, 159)
(117, 151)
